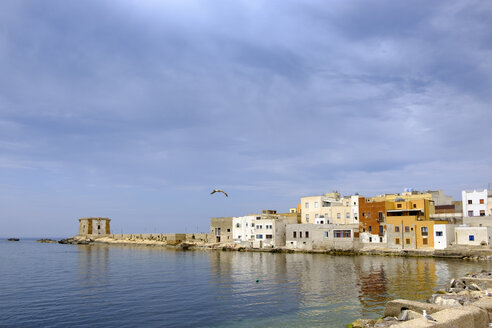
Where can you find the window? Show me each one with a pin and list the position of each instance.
(370, 228)
(316, 216)
(470, 213)
(347, 215)
(253, 224)
(306, 205)
(424, 231)
(307, 217)
(259, 236)
(481, 201)
(259, 226)
(397, 229)
(315, 204)
(337, 233)
(407, 229)
(347, 233)
(482, 212)
(414, 205)
(470, 202)
(471, 237)
(424, 241)
(398, 205)
(246, 224)
(258, 218)
(380, 215)
(438, 233)
(407, 241)
(380, 239)
(300, 234)
(397, 241)
(238, 237)
(338, 216)
(228, 230)
(370, 239)
(98, 227)
(307, 234)
(363, 214)
(238, 225)
(294, 233)
(268, 236)
(326, 234)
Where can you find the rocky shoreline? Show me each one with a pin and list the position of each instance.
(465, 303)
(464, 253)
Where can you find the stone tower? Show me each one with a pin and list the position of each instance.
(94, 226)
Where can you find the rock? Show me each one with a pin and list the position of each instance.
(464, 293)
(449, 302)
(363, 323)
(414, 315)
(45, 240)
(473, 287)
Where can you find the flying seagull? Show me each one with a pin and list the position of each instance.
(428, 317)
(218, 190)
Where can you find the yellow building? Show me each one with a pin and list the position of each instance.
(408, 223)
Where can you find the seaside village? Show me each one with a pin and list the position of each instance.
(410, 220)
(402, 221)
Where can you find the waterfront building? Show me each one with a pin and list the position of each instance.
(475, 202)
(94, 226)
(473, 236)
(243, 230)
(345, 211)
(406, 232)
(221, 230)
(372, 213)
(270, 230)
(444, 235)
(317, 209)
(310, 236)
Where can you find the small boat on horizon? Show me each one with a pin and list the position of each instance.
(13, 239)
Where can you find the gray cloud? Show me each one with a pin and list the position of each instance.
(134, 106)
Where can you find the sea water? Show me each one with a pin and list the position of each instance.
(54, 285)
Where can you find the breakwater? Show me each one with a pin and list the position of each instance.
(203, 240)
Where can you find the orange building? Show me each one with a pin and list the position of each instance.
(372, 214)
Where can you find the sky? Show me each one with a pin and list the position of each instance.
(136, 109)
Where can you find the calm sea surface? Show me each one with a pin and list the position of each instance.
(52, 285)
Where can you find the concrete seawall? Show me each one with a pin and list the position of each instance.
(204, 241)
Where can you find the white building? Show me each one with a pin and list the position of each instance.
(473, 235)
(475, 202)
(243, 229)
(270, 231)
(444, 235)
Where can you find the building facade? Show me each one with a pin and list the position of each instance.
(322, 237)
(221, 230)
(475, 202)
(94, 226)
(473, 236)
(444, 235)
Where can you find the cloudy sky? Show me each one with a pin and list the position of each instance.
(137, 109)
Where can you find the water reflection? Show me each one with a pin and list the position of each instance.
(93, 267)
(320, 289)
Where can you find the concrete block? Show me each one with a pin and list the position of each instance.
(466, 317)
(484, 303)
(393, 308)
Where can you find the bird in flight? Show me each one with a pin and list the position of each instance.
(428, 317)
(218, 190)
